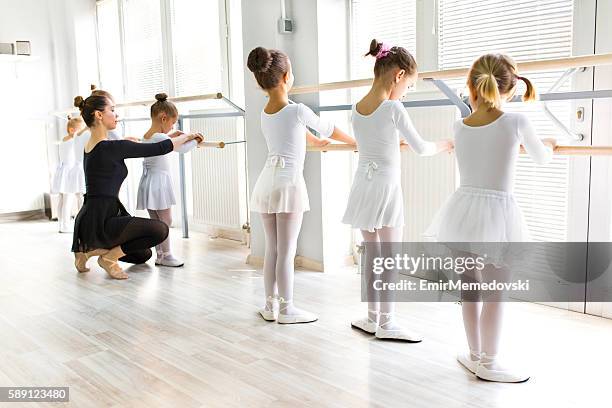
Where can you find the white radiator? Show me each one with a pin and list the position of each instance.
(427, 181)
(218, 176)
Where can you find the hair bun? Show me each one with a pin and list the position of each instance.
(79, 102)
(161, 97)
(375, 47)
(260, 60)
(92, 87)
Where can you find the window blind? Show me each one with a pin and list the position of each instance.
(109, 47)
(196, 43)
(391, 21)
(145, 74)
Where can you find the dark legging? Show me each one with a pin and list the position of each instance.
(139, 236)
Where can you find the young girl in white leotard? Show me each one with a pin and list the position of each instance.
(65, 181)
(280, 194)
(375, 204)
(155, 191)
(483, 208)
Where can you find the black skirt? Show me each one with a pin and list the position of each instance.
(99, 224)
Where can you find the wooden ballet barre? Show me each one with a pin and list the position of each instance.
(219, 145)
(538, 65)
(178, 99)
(581, 150)
(559, 150)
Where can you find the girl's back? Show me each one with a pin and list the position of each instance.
(486, 155)
(285, 130)
(376, 134)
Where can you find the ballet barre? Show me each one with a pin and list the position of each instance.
(559, 150)
(535, 65)
(177, 99)
(220, 144)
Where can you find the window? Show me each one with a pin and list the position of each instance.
(391, 21)
(109, 47)
(143, 54)
(197, 53)
(526, 30)
(151, 46)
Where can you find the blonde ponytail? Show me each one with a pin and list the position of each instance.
(493, 76)
(487, 89)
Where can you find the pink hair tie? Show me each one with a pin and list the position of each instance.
(384, 51)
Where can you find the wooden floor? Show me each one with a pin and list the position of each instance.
(191, 337)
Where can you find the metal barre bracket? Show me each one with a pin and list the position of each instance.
(451, 95)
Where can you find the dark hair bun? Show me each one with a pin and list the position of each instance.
(161, 97)
(260, 60)
(79, 102)
(375, 47)
(92, 87)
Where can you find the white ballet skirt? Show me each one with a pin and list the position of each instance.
(483, 209)
(156, 188)
(280, 187)
(482, 222)
(64, 180)
(376, 199)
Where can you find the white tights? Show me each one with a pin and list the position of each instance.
(482, 320)
(166, 217)
(281, 231)
(380, 304)
(64, 209)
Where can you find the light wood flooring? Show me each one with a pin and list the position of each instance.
(191, 337)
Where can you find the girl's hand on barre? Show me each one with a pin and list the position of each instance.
(340, 136)
(446, 145)
(178, 141)
(176, 134)
(320, 142)
(198, 137)
(548, 141)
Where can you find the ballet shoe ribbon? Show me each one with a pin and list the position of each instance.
(277, 161)
(372, 167)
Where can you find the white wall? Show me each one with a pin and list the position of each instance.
(336, 167)
(31, 90)
(260, 29)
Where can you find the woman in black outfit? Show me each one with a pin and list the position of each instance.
(103, 227)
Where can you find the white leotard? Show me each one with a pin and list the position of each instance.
(281, 186)
(376, 198)
(64, 180)
(487, 155)
(156, 191)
